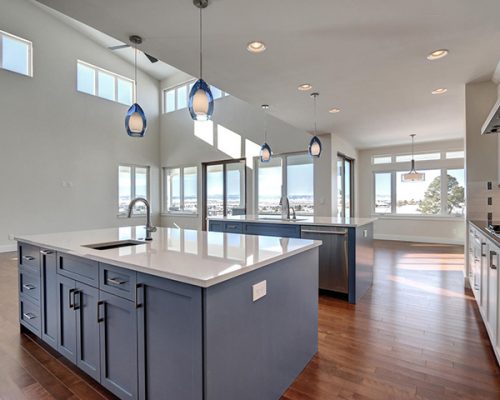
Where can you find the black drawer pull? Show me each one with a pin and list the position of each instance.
(46, 252)
(29, 315)
(232, 227)
(116, 281)
(29, 286)
(28, 258)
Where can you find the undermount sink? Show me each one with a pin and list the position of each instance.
(113, 245)
(282, 219)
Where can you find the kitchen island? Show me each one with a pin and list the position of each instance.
(189, 315)
(345, 258)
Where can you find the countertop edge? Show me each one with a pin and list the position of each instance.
(482, 228)
(178, 278)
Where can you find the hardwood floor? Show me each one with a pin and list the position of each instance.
(416, 334)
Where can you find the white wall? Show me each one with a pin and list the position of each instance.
(51, 134)
(180, 147)
(432, 229)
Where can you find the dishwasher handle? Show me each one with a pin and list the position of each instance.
(339, 233)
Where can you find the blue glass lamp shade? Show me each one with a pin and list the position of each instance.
(315, 147)
(265, 153)
(201, 101)
(135, 121)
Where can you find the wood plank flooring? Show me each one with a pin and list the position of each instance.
(416, 334)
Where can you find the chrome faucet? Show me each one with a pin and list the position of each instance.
(149, 228)
(285, 207)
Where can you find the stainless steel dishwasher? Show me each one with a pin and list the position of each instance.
(333, 256)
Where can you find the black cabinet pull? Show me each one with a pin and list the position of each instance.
(99, 319)
(116, 281)
(71, 298)
(137, 287)
(75, 305)
(46, 252)
(492, 255)
(28, 258)
(482, 253)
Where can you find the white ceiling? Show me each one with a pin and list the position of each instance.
(366, 57)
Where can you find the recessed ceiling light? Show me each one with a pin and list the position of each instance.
(256, 47)
(439, 91)
(437, 54)
(334, 110)
(305, 87)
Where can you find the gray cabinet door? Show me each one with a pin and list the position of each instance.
(118, 319)
(170, 339)
(66, 317)
(49, 297)
(87, 329)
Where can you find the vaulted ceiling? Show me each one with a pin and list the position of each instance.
(367, 58)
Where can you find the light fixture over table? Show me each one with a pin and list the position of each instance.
(201, 100)
(135, 120)
(413, 175)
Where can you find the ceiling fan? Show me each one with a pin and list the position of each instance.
(135, 41)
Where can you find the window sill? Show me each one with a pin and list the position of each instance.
(179, 214)
(125, 216)
(418, 217)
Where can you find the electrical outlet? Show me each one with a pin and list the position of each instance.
(259, 290)
(11, 236)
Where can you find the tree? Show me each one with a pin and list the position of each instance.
(431, 204)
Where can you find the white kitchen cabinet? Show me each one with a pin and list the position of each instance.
(484, 257)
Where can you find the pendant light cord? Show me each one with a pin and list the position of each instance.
(265, 127)
(315, 95)
(201, 43)
(135, 73)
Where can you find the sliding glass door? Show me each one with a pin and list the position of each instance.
(224, 189)
(345, 186)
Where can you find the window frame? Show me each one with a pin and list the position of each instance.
(30, 53)
(284, 179)
(393, 157)
(116, 78)
(164, 195)
(133, 168)
(443, 194)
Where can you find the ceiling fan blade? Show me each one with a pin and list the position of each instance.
(151, 58)
(121, 46)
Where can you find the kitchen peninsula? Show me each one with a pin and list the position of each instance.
(345, 258)
(189, 315)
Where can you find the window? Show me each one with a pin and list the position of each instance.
(224, 187)
(441, 193)
(180, 187)
(176, 98)
(107, 85)
(133, 181)
(419, 157)
(16, 54)
(345, 186)
(382, 159)
(454, 154)
(288, 174)
(383, 198)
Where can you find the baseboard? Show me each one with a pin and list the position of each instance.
(5, 248)
(418, 239)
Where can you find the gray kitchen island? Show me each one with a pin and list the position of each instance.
(189, 315)
(346, 254)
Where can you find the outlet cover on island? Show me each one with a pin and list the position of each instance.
(259, 290)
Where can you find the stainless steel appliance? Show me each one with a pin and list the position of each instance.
(333, 256)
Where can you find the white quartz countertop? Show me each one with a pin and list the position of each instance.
(301, 220)
(196, 257)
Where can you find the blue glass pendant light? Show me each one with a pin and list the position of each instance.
(265, 150)
(315, 144)
(201, 101)
(135, 120)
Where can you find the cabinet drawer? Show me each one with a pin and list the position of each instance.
(29, 256)
(29, 284)
(118, 281)
(272, 230)
(80, 269)
(30, 315)
(215, 226)
(233, 227)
